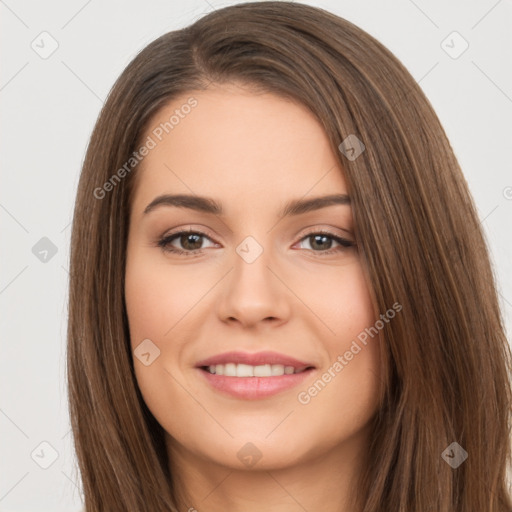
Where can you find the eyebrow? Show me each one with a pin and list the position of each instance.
(209, 205)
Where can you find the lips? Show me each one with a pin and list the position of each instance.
(253, 376)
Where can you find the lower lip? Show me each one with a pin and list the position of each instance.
(254, 388)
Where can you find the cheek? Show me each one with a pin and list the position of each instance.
(158, 297)
(341, 300)
(161, 301)
(155, 303)
(344, 395)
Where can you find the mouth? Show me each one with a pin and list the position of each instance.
(253, 376)
(247, 370)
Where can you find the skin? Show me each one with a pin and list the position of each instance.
(252, 153)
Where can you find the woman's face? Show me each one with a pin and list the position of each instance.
(266, 290)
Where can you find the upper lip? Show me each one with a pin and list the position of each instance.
(254, 359)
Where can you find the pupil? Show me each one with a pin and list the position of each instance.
(322, 237)
(186, 238)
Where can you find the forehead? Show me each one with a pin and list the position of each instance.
(233, 143)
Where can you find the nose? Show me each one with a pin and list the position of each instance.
(254, 293)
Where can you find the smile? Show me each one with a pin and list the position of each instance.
(253, 376)
(247, 370)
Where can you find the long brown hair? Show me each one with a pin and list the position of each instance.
(446, 361)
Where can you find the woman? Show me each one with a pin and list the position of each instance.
(280, 294)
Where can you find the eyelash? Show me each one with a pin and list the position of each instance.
(164, 243)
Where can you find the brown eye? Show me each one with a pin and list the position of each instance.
(189, 242)
(322, 242)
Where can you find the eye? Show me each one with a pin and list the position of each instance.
(190, 241)
(323, 241)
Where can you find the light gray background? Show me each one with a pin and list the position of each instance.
(48, 109)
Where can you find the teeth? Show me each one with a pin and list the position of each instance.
(265, 370)
(246, 370)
